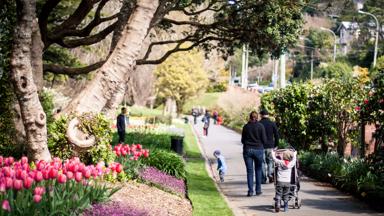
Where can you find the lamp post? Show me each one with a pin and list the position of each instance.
(334, 44)
(377, 35)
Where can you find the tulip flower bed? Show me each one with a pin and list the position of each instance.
(163, 180)
(129, 156)
(48, 188)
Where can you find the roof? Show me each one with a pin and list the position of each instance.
(348, 25)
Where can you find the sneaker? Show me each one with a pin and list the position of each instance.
(249, 194)
(285, 206)
(270, 179)
(259, 193)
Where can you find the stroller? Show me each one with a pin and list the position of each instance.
(293, 197)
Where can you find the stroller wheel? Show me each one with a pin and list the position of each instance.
(298, 203)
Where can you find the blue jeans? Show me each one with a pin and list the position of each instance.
(253, 159)
(267, 164)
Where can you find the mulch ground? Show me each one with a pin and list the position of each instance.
(152, 200)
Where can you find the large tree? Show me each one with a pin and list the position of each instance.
(267, 26)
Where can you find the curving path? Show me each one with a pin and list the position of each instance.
(318, 198)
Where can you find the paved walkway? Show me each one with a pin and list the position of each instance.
(317, 198)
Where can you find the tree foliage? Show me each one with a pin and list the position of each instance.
(337, 70)
(181, 77)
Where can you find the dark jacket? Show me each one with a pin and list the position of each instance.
(271, 131)
(253, 136)
(120, 122)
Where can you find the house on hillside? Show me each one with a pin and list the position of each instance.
(348, 31)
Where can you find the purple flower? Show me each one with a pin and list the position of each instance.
(114, 209)
(164, 180)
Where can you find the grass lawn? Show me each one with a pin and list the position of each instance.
(207, 100)
(206, 200)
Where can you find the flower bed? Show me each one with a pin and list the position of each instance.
(56, 187)
(114, 209)
(168, 182)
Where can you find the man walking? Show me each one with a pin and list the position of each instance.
(122, 122)
(272, 141)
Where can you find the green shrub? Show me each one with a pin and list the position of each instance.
(149, 140)
(46, 100)
(168, 162)
(159, 119)
(94, 124)
(218, 87)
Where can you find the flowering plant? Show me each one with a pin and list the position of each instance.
(129, 157)
(56, 187)
(165, 181)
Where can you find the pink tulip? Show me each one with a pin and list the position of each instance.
(7, 171)
(11, 160)
(62, 178)
(2, 187)
(40, 165)
(17, 184)
(38, 176)
(28, 182)
(25, 167)
(39, 191)
(5, 205)
(8, 182)
(37, 198)
(146, 154)
(69, 175)
(78, 176)
(87, 173)
(45, 174)
(24, 160)
(1, 161)
(138, 146)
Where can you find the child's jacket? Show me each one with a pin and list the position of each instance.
(221, 165)
(284, 168)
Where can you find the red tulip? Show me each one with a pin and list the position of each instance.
(28, 182)
(39, 191)
(138, 146)
(146, 154)
(40, 165)
(17, 184)
(45, 174)
(53, 173)
(119, 168)
(11, 160)
(1, 161)
(61, 178)
(24, 160)
(366, 101)
(357, 108)
(5, 205)
(78, 176)
(37, 198)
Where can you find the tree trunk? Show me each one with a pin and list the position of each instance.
(109, 83)
(32, 113)
(37, 56)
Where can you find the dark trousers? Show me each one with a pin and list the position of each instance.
(121, 136)
(253, 159)
(282, 191)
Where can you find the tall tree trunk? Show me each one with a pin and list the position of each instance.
(109, 83)
(32, 113)
(37, 56)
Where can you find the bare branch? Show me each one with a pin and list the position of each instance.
(58, 69)
(88, 40)
(178, 48)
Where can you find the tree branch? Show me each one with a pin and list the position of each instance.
(178, 48)
(88, 40)
(74, 20)
(43, 17)
(58, 69)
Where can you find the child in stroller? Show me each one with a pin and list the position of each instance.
(286, 178)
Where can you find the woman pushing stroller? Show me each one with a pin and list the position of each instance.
(284, 160)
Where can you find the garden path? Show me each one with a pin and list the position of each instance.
(317, 198)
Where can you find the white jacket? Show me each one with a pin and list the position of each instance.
(284, 169)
